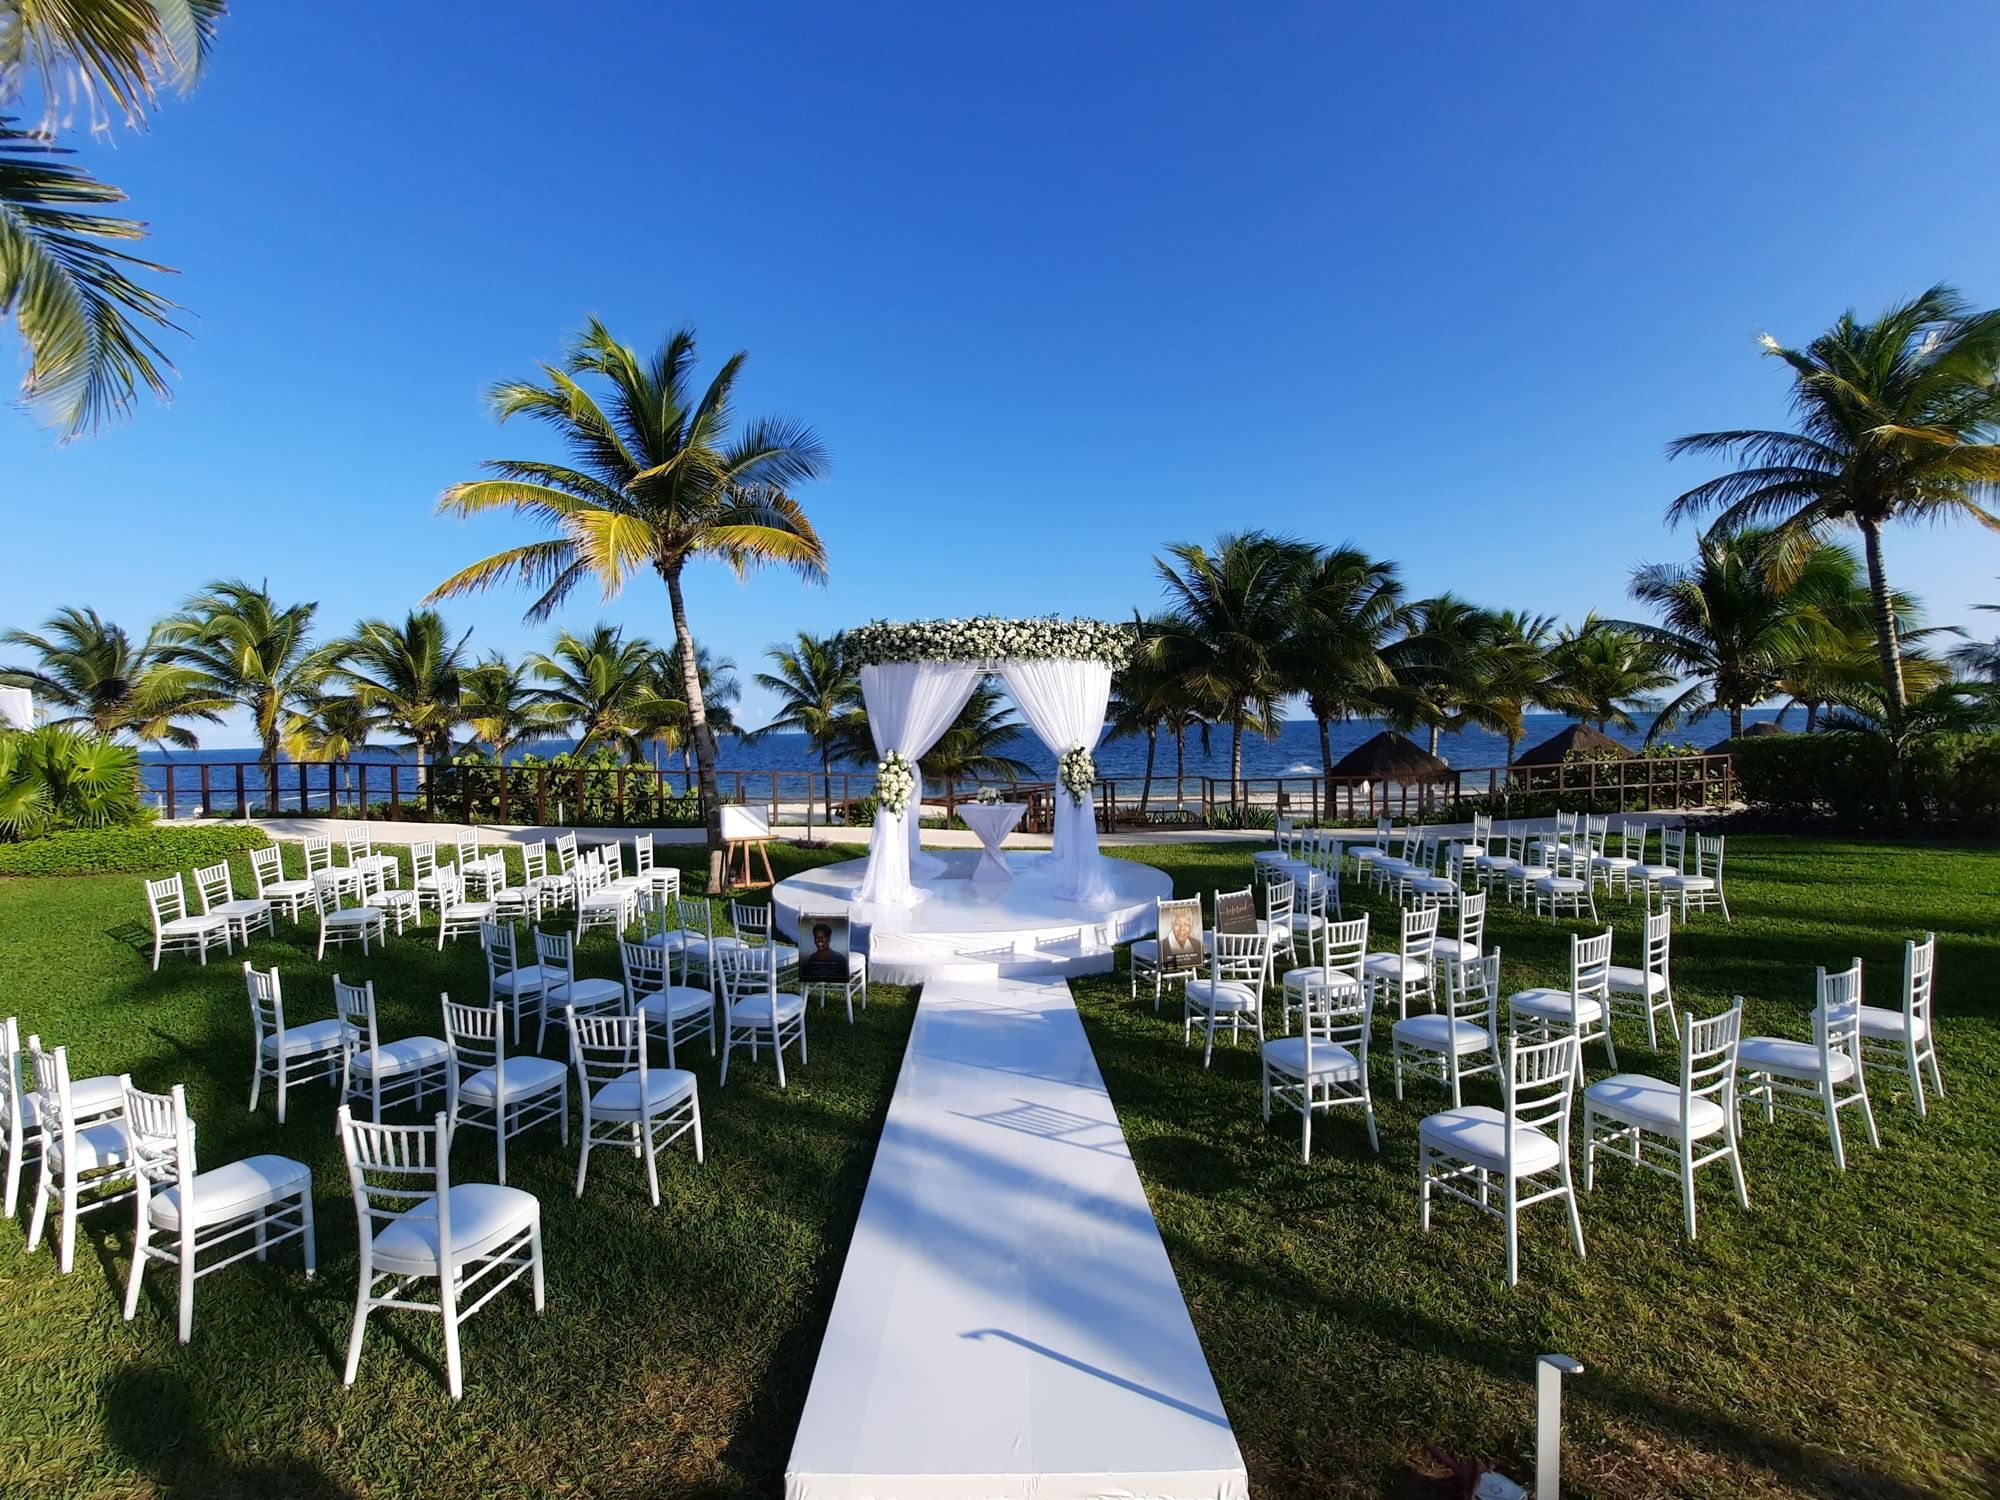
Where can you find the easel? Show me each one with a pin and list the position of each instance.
(737, 852)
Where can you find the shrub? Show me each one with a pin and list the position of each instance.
(52, 779)
(99, 851)
(597, 791)
(1948, 778)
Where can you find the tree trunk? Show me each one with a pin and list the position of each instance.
(1736, 721)
(1434, 738)
(1146, 786)
(1326, 749)
(1235, 758)
(1890, 651)
(702, 742)
(826, 781)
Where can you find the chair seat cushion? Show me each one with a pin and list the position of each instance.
(527, 980)
(355, 916)
(301, 1041)
(619, 1099)
(1287, 1054)
(105, 1144)
(1557, 1005)
(1498, 863)
(225, 1193)
(1440, 1033)
(521, 1076)
(1562, 885)
(1224, 998)
(1392, 966)
(672, 941)
(190, 926)
(1652, 1104)
(1477, 1134)
(677, 1002)
(1655, 872)
(1472, 851)
(1789, 1059)
(1305, 922)
(1628, 981)
(469, 911)
(585, 994)
(1882, 1025)
(756, 1010)
(1531, 874)
(788, 955)
(1319, 977)
(1613, 862)
(242, 906)
(1688, 883)
(484, 1216)
(89, 1099)
(700, 947)
(288, 888)
(410, 1054)
(1451, 948)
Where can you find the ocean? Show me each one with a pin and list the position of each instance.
(1293, 752)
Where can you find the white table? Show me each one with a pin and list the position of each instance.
(992, 821)
(1008, 1325)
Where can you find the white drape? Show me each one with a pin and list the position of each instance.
(1064, 702)
(909, 703)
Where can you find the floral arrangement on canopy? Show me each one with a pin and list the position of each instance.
(990, 638)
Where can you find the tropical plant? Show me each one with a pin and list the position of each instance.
(1512, 673)
(1144, 695)
(1897, 420)
(90, 669)
(819, 696)
(975, 747)
(53, 778)
(87, 325)
(328, 727)
(1346, 607)
(497, 704)
(1728, 623)
(1980, 658)
(1602, 672)
(721, 691)
(1947, 708)
(247, 650)
(1224, 633)
(656, 481)
(1435, 667)
(409, 679)
(605, 687)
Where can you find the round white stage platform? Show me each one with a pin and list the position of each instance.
(980, 929)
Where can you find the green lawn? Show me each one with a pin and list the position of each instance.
(1840, 1338)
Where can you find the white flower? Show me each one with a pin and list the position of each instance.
(895, 779)
(1077, 772)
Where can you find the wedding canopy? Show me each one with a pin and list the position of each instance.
(914, 680)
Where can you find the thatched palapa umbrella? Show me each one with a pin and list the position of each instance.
(1582, 739)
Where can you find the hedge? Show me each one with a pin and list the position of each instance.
(1947, 778)
(103, 851)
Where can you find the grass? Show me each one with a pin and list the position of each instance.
(1838, 1339)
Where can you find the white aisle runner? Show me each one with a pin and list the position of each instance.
(1008, 1324)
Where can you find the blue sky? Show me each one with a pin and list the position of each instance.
(1055, 284)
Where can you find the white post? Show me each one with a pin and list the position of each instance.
(1549, 1372)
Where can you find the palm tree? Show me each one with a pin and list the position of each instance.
(328, 727)
(1980, 658)
(1225, 632)
(604, 686)
(1897, 420)
(819, 696)
(497, 705)
(408, 679)
(1513, 673)
(90, 668)
(720, 693)
(1843, 655)
(1345, 608)
(87, 325)
(657, 482)
(1435, 667)
(1726, 622)
(1142, 695)
(976, 744)
(1599, 669)
(246, 650)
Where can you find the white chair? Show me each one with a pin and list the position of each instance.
(562, 991)
(1498, 864)
(1615, 870)
(1276, 923)
(361, 856)
(1471, 939)
(383, 1073)
(515, 903)
(1447, 1044)
(1673, 857)
(1474, 847)
(483, 873)
(1518, 1153)
(488, 1089)
(697, 943)
(509, 982)
(1660, 1125)
(1568, 885)
(1582, 1011)
(87, 1164)
(600, 903)
(457, 913)
(565, 855)
(661, 880)
(755, 1011)
(1531, 869)
(1144, 958)
(1777, 1073)
(241, 1210)
(628, 1104)
(394, 901)
(1905, 1039)
(1649, 986)
(174, 930)
(1342, 966)
(541, 890)
(20, 1110)
(752, 921)
(474, 1239)
(1425, 885)
(1397, 875)
(1366, 854)
(1239, 966)
(1544, 850)
(322, 871)
(267, 867)
(287, 1055)
(1325, 1066)
(244, 915)
(679, 1010)
(424, 872)
(1407, 972)
(340, 925)
(1701, 887)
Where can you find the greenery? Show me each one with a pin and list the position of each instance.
(596, 790)
(656, 482)
(142, 848)
(678, 1343)
(986, 638)
(1948, 778)
(53, 779)
(90, 676)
